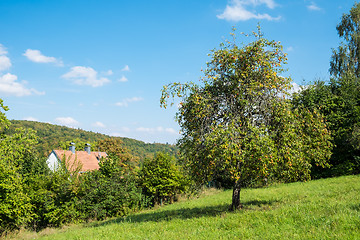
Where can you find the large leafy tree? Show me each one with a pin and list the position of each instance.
(345, 86)
(238, 119)
(346, 59)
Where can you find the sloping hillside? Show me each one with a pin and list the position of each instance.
(50, 136)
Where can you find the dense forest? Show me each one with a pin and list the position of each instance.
(53, 136)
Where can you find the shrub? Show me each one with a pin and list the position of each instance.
(15, 207)
(109, 192)
(161, 179)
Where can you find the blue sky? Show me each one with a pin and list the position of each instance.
(100, 65)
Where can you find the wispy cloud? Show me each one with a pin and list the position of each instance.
(238, 10)
(67, 121)
(85, 76)
(126, 68)
(109, 73)
(313, 7)
(38, 57)
(99, 125)
(125, 102)
(147, 134)
(289, 49)
(11, 87)
(123, 131)
(123, 79)
(3, 50)
(156, 130)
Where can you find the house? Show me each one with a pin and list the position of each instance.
(84, 160)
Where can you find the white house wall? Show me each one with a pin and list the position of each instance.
(53, 162)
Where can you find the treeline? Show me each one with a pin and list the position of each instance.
(52, 136)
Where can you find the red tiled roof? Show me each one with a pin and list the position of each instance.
(82, 159)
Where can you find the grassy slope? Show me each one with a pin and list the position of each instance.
(321, 209)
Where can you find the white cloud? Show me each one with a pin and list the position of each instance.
(123, 79)
(38, 57)
(99, 125)
(85, 76)
(125, 102)
(313, 7)
(269, 3)
(5, 63)
(67, 121)
(30, 119)
(237, 10)
(10, 86)
(126, 68)
(295, 88)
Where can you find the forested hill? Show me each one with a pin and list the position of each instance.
(50, 136)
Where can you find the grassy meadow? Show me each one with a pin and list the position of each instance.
(321, 209)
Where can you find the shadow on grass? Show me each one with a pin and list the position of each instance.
(258, 204)
(356, 207)
(185, 213)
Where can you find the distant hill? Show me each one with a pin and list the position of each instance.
(51, 135)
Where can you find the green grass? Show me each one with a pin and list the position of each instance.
(321, 209)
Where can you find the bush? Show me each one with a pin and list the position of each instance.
(53, 198)
(15, 207)
(109, 192)
(161, 179)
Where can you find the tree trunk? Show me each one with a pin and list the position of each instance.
(236, 197)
